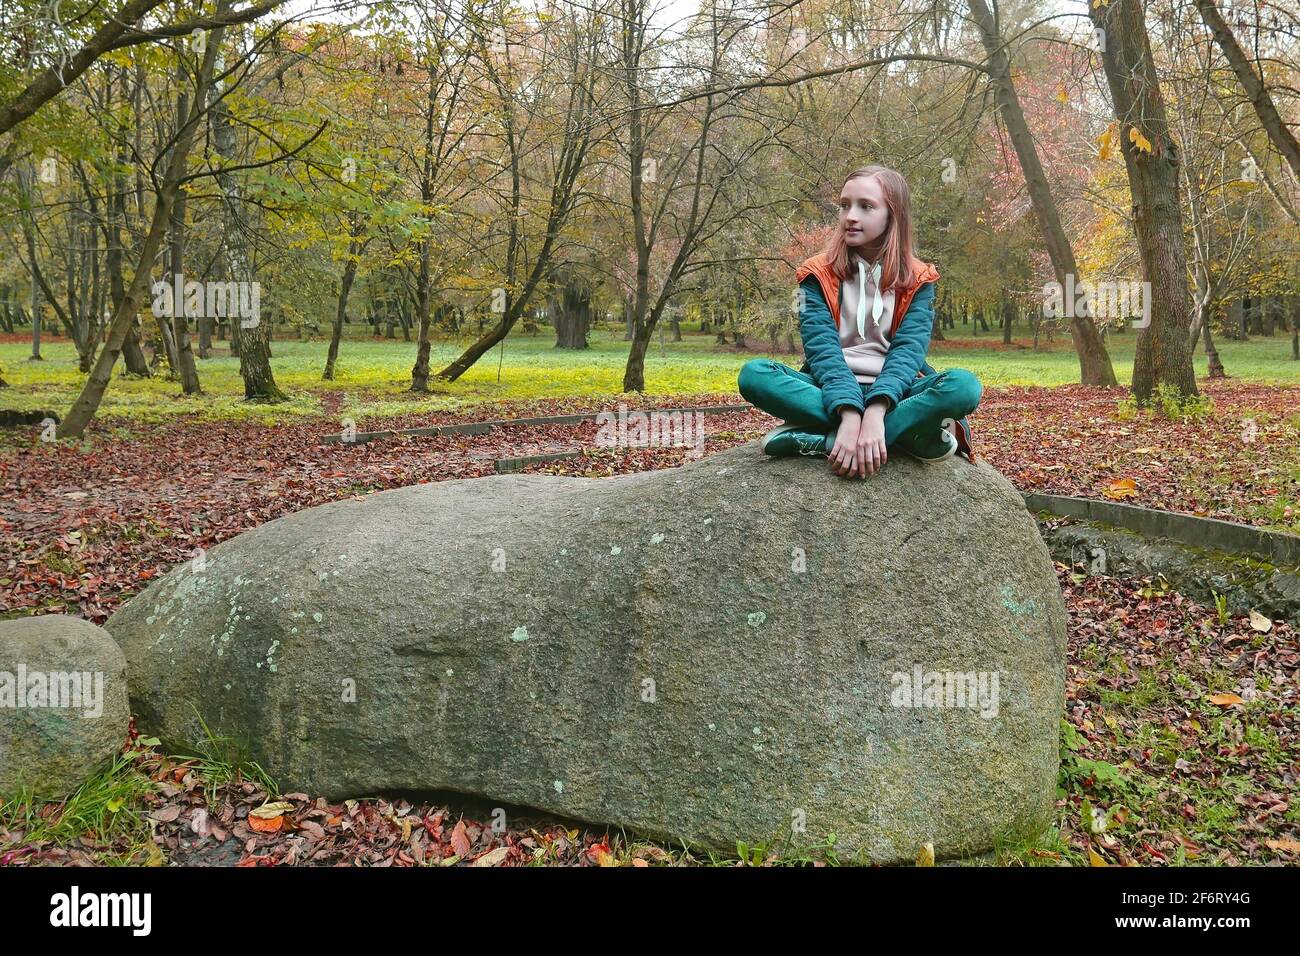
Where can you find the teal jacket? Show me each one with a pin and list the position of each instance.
(909, 341)
(824, 356)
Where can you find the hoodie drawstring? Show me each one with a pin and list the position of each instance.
(877, 303)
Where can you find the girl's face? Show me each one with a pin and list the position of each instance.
(863, 213)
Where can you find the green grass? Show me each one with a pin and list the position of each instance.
(107, 810)
(373, 375)
(221, 761)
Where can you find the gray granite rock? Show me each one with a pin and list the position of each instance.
(712, 653)
(63, 703)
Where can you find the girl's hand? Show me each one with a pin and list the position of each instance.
(843, 456)
(871, 454)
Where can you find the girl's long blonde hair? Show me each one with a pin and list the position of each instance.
(896, 266)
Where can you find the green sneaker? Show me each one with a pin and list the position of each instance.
(789, 440)
(930, 444)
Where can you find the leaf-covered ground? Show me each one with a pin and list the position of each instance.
(1180, 739)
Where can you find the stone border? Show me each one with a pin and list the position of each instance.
(1277, 547)
(505, 466)
(482, 428)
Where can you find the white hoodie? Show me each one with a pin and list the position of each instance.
(865, 321)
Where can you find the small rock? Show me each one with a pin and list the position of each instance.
(63, 703)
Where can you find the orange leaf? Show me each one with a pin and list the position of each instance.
(1121, 488)
(1285, 845)
(599, 854)
(459, 841)
(1226, 700)
(261, 825)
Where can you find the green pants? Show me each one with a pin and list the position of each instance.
(794, 397)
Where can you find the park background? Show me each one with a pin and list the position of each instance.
(461, 212)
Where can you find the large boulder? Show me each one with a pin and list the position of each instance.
(63, 703)
(741, 648)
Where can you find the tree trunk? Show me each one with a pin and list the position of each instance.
(1213, 365)
(205, 336)
(571, 309)
(1256, 91)
(133, 355)
(167, 344)
(634, 373)
(180, 322)
(1295, 327)
(250, 336)
(1161, 356)
(1094, 361)
(341, 311)
(36, 324)
(92, 393)
(420, 371)
(1256, 309)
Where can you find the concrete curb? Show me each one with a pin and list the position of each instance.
(1277, 547)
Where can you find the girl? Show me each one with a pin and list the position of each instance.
(866, 311)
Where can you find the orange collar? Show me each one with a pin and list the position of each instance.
(820, 266)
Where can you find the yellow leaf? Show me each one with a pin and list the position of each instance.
(925, 856)
(1226, 700)
(1106, 142)
(1062, 95)
(1121, 488)
(1095, 858)
(1260, 623)
(269, 811)
(153, 856)
(1138, 139)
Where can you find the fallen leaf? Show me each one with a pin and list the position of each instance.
(1226, 700)
(268, 811)
(493, 857)
(1121, 488)
(599, 854)
(1260, 623)
(264, 824)
(925, 856)
(459, 841)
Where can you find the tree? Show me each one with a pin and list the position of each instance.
(1151, 158)
(569, 129)
(189, 114)
(118, 31)
(1094, 361)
